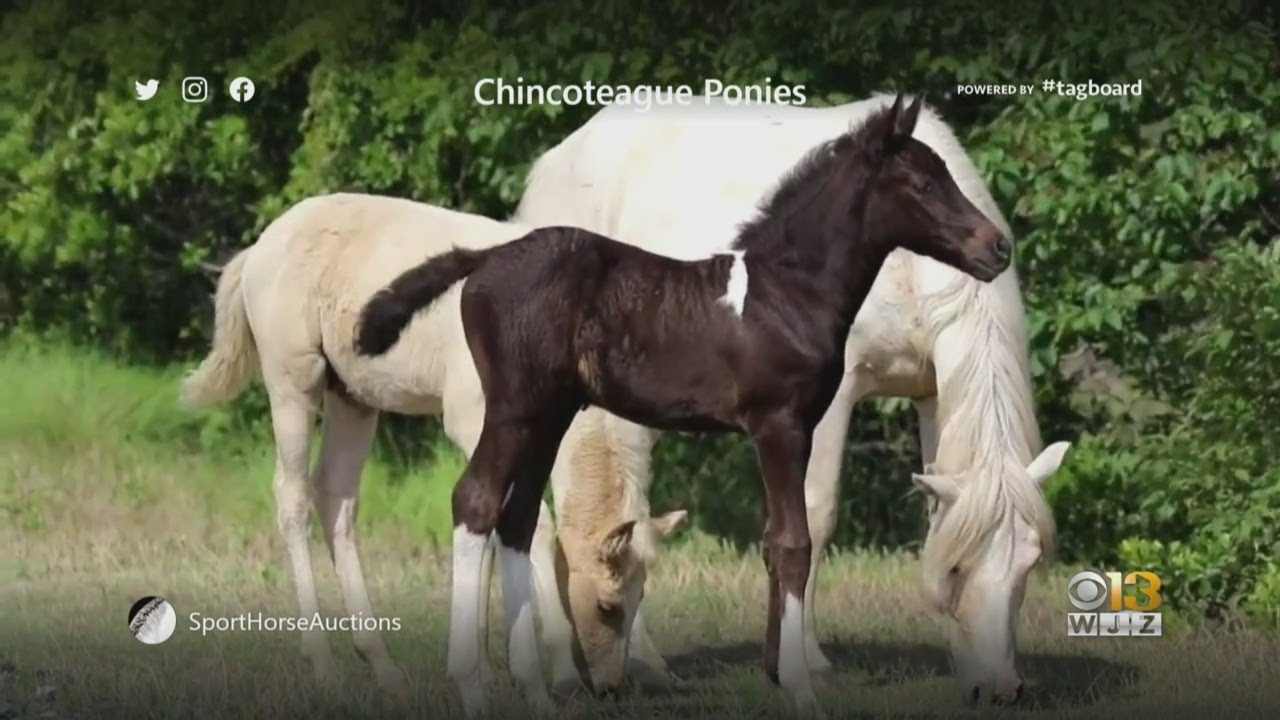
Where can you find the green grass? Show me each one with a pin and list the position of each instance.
(128, 419)
(109, 493)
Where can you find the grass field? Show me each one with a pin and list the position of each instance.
(108, 494)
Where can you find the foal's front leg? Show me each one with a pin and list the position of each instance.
(515, 538)
(500, 492)
(783, 445)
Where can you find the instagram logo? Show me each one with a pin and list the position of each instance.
(241, 89)
(195, 89)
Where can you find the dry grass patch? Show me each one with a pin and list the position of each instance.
(96, 514)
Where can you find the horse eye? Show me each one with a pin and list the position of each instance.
(955, 570)
(926, 187)
(608, 608)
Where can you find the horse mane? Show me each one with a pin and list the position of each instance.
(606, 446)
(987, 428)
(988, 432)
(804, 182)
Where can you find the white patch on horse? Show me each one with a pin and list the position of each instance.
(466, 650)
(522, 640)
(735, 291)
(793, 671)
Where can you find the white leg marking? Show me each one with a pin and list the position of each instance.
(735, 291)
(463, 403)
(557, 632)
(522, 638)
(482, 618)
(793, 671)
(465, 642)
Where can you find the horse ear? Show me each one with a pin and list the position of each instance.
(615, 544)
(889, 132)
(896, 110)
(904, 123)
(664, 525)
(890, 127)
(1047, 462)
(939, 486)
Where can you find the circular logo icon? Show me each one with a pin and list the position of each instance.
(152, 620)
(1087, 590)
(195, 89)
(241, 89)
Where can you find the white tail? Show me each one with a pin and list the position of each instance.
(231, 362)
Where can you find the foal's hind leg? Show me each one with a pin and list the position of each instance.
(463, 416)
(291, 420)
(478, 502)
(516, 527)
(347, 440)
(500, 491)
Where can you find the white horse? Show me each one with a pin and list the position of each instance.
(678, 181)
(287, 307)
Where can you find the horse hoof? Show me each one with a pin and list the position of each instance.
(648, 678)
(1008, 698)
(475, 710)
(823, 679)
(475, 698)
(568, 689)
(808, 708)
(325, 672)
(541, 705)
(394, 685)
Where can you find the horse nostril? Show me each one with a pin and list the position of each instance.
(974, 693)
(1002, 248)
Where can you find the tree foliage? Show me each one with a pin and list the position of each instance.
(1146, 225)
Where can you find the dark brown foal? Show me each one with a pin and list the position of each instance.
(750, 341)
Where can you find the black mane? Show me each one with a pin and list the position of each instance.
(805, 181)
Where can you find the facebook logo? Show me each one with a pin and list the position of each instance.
(241, 89)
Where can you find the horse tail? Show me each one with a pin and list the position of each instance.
(389, 311)
(232, 360)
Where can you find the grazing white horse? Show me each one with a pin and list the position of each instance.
(287, 307)
(679, 181)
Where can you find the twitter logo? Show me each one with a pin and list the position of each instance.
(146, 90)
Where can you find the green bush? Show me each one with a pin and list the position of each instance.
(1145, 224)
(1210, 483)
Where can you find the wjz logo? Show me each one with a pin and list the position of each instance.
(1106, 609)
